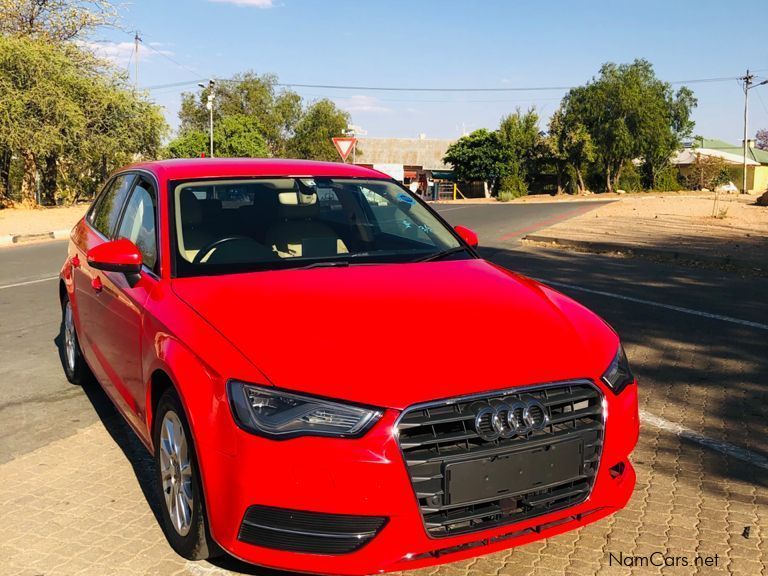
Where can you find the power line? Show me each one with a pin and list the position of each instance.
(428, 89)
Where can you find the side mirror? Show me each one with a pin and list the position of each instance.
(469, 236)
(116, 256)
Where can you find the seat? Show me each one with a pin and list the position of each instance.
(195, 234)
(298, 233)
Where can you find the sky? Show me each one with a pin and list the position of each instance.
(509, 44)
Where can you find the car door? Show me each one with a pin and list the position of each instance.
(96, 228)
(123, 298)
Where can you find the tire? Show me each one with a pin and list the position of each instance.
(75, 368)
(178, 480)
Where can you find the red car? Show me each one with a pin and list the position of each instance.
(256, 323)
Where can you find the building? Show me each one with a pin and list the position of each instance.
(732, 155)
(409, 160)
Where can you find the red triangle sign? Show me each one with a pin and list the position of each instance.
(344, 146)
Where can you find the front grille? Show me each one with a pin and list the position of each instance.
(440, 434)
(311, 532)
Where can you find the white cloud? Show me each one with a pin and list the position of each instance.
(253, 3)
(120, 53)
(362, 103)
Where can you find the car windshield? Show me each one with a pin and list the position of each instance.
(239, 225)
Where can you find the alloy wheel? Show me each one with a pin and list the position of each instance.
(176, 473)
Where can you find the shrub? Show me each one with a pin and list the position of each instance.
(512, 186)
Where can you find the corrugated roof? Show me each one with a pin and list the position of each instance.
(688, 156)
(427, 153)
(756, 154)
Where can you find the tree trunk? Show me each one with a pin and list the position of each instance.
(49, 181)
(29, 179)
(486, 189)
(559, 179)
(608, 180)
(582, 188)
(616, 178)
(5, 177)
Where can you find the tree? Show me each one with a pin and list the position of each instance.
(524, 147)
(277, 112)
(64, 112)
(762, 139)
(236, 136)
(312, 136)
(54, 21)
(480, 156)
(570, 146)
(629, 113)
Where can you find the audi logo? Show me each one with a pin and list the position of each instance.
(509, 418)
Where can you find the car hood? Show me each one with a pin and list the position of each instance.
(397, 334)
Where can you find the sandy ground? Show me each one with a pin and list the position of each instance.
(733, 227)
(24, 221)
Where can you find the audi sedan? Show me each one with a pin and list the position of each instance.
(262, 326)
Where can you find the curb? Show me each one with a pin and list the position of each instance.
(11, 239)
(752, 267)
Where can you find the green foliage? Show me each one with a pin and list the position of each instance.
(630, 179)
(512, 186)
(312, 136)
(479, 156)
(668, 179)
(524, 146)
(236, 136)
(66, 115)
(278, 118)
(54, 20)
(629, 113)
(570, 146)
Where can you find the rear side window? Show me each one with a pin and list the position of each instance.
(139, 224)
(107, 209)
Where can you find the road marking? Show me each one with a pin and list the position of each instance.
(28, 282)
(700, 313)
(716, 445)
(449, 209)
(548, 222)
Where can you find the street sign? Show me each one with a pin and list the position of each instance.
(344, 146)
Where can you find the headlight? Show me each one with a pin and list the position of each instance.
(618, 375)
(281, 414)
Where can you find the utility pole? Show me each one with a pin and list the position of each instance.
(747, 79)
(209, 106)
(136, 42)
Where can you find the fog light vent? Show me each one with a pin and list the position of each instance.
(312, 532)
(617, 471)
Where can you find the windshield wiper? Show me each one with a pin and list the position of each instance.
(443, 254)
(333, 264)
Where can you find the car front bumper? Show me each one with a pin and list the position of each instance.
(367, 477)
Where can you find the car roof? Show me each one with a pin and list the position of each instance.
(181, 169)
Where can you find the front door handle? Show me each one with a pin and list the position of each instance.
(96, 284)
(75, 261)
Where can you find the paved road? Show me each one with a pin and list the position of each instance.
(697, 339)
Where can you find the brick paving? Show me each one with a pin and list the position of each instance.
(76, 506)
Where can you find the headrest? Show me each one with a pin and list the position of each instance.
(297, 205)
(211, 206)
(191, 210)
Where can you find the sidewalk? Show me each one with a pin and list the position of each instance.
(680, 228)
(27, 225)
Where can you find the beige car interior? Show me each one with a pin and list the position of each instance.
(298, 233)
(284, 220)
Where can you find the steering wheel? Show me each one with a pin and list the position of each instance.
(205, 250)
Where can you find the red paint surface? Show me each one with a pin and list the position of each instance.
(385, 335)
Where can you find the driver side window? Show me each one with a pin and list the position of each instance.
(139, 224)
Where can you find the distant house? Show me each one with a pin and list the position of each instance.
(409, 160)
(732, 155)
